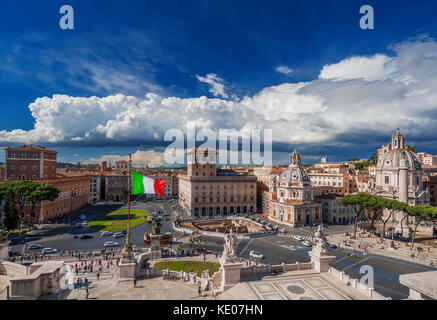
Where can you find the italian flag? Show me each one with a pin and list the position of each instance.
(142, 184)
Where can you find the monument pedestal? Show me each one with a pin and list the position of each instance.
(231, 273)
(127, 270)
(321, 262)
(155, 246)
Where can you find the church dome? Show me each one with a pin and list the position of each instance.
(295, 172)
(392, 158)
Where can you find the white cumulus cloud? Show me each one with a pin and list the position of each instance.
(285, 70)
(216, 86)
(359, 94)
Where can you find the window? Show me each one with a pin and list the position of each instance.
(12, 176)
(23, 156)
(387, 179)
(12, 167)
(33, 176)
(13, 155)
(23, 176)
(35, 156)
(23, 168)
(34, 168)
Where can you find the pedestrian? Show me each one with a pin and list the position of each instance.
(87, 294)
(199, 291)
(98, 275)
(135, 283)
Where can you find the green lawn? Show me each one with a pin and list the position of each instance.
(187, 266)
(117, 220)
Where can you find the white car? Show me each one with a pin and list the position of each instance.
(111, 244)
(46, 227)
(34, 246)
(298, 238)
(307, 243)
(256, 255)
(49, 251)
(85, 223)
(106, 233)
(118, 235)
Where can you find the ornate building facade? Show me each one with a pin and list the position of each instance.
(399, 174)
(207, 191)
(293, 196)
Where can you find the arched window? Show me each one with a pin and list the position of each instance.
(387, 179)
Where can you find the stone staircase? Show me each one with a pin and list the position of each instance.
(106, 281)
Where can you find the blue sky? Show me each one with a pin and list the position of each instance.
(240, 55)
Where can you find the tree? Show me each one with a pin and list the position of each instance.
(18, 192)
(375, 205)
(40, 191)
(390, 205)
(420, 213)
(11, 219)
(401, 207)
(353, 159)
(374, 158)
(357, 201)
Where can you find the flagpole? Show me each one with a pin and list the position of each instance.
(128, 245)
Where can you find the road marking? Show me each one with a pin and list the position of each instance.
(353, 263)
(245, 247)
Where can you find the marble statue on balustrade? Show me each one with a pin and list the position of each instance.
(320, 247)
(230, 248)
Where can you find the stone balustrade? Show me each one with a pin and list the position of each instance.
(354, 283)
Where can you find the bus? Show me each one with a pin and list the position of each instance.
(165, 238)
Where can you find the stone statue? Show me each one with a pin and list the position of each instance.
(156, 225)
(321, 243)
(230, 246)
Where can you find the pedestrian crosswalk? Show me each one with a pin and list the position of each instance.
(291, 236)
(298, 249)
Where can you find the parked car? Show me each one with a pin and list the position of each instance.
(256, 255)
(106, 233)
(85, 223)
(46, 227)
(49, 251)
(124, 232)
(34, 246)
(118, 235)
(307, 243)
(298, 238)
(111, 244)
(332, 246)
(86, 236)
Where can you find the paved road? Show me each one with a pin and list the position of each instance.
(61, 236)
(276, 248)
